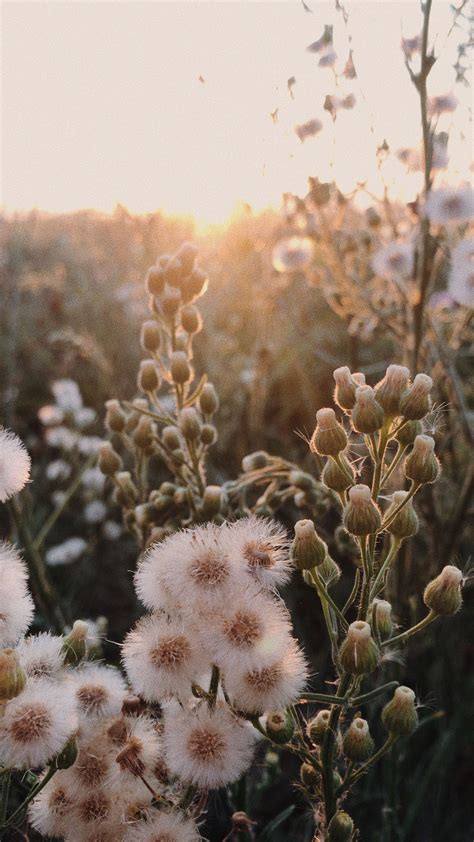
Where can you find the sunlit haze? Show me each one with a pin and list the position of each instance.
(168, 105)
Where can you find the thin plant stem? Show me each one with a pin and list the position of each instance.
(401, 450)
(363, 769)
(401, 638)
(31, 795)
(353, 594)
(379, 579)
(324, 597)
(373, 694)
(327, 753)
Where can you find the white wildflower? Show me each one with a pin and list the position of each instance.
(461, 276)
(16, 605)
(442, 104)
(111, 530)
(65, 553)
(61, 437)
(58, 470)
(450, 204)
(171, 827)
(41, 655)
(261, 547)
(93, 479)
(309, 129)
(99, 691)
(50, 812)
(87, 445)
(67, 394)
(50, 415)
(95, 511)
(394, 260)
(15, 465)
(84, 417)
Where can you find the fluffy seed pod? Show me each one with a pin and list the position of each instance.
(208, 400)
(150, 336)
(361, 515)
(308, 550)
(345, 391)
(317, 726)
(390, 389)
(189, 424)
(382, 617)
(191, 320)
(308, 774)
(399, 715)
(406, 522)
(212, 500)
(443, 595)
(408, 433)
(179, 367)
(74, 646)
(155, 280)
(280, 726)
(329, 437)
(170, 437)
(336, 479)
(148, 379)
(208, 434)
(115, 419)
(255, 461)
(357, 744)
(109, 460)
(341, 827)
(415, 403)
(421, 465)
(367, 414)
(359, 653)
(12, 675)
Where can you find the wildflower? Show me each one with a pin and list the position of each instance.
(99, 691)
(14, 465)
(399, 715)
(111, 530)
(36, 725)
(293, 254)
(358, 745)
(367, 415)
(260, 546)
(345, 391)
(207, 748)
(150, 338)
(382, 617)
(280, 726)
(16, 605)
(50, 415)
(66, 553)
(307, 549)
(74, 645)
(329, 437)
(84, 417)
(336, 478)
(317, 726)
(443, 594)
(67, 394)
(359, 653)
(50, 812)
(361, 515)
(411, 45)
(328, 58)
(41, 655)
(450, 204)
(394, 261)
(415, 403)
(421, 465)
(169, 827)
(208, 400)
(148, 376)
(95, 512)
(442, 104)
(461, 276)
(389, 390)
(270, 683)
(61, 437)
(341, 827)
(58, 470)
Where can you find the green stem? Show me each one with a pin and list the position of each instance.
(324, 597)
(51, 520)
(367, 565)
(353, 594)
(369, 697)
(362, 769)
(214, 686)
(327, 752)
(379, 579)
(6, 778)
(34, 792)
(322, 698)
(401, 450)
(400, 638)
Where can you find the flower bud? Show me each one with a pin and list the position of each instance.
(405, 523)
(307, 549)
(189, 423)
(329, 572)
(399, 715)
(124, 479)
(382, 618)
(367, 415)
(280, 726)
(170, 437)
(191, 320)
(74, 646)
(173, 272)
(309, 775)
(150, 336)
(186, 255)
(12, 675)
(170, 301)
(336, 479)
(329, 437)
(115, 419)
(408, 433)
(208, 434)
(109, 460)
(443, 595)
(341, 827)
(361, 515)
(421, 465)
(345, 391)
(68, 756)
(212, 500)
(179, 367)
(317, 726)
(208, 400)
(390, 389)
(357, 744)
(194, 285)
(359, 653)
(148, 378)
(415, 403)
(155, 280)
(359, 378)
(255, 461)
(143, 435)
(302, 480)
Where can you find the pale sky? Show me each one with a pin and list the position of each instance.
(101, 101)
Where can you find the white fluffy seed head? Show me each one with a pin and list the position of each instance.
(15, 465)
(41, 656)
(268, 683)
(164, 827)
(50, 810)
(260, 547)
(16, 604)
(99, 691)
(423, 445)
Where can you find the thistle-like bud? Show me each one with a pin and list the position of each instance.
(361, 515)
(148, 379)
(167, 488)
(74, 646)
(255, 461)
(186, 255)
(191, 320)
(173, 272)
(308, 550)
(399, 715)
(367, 414)
(144, 431)
(280, 726)
(443, 595)
(208, 400)
(115, 419)
(127, 486)
(170, 437)
(12, 675)
(390, 389)
(415, 403)
(189, 423)
(421, 465)
(109, 460)
(179, 367)
(150, 336)
(302, 480)
(308, 774)
(335, 478)
(357, 744)
(194, 285)
(408, 433)
(318, 726)
(341, 827)
(405, 523)
(208, 434)
(155, 280)
(359, 378)
(345, 391)
(329, 572)
(382, 618)
(169, 302)
(68, 756)
(212, 500)
(359, 653)
(329, 437)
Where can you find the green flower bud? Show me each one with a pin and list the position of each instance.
(359, 653)
(109, 461)
(357, 744)
(127, 486)
(399, 715)
(115, 419)
(307, 549)
(329, 437)
(170, 437)
(382, 617)
(194, 285)
(308, 774)
(155, 280)
(406, 522)
(12, 675)
(212, 500)
(367, 415)
(361, 515)
(390, 389)
(189, 424)
(179, 367)
(443, 595)
(144, 432)
(421, 465)
(408, 433)
(208, 400)
(74, 646)
(345, 391)
(341, 827)
(317, 726)
(415, 403)
(280, 726)
(329, 572)
(304, 481)
(191, 320)
(180, 496)
(208, 434)
(167, 488)
(255, 461)
(150, 336)
(68, 756)
(334, 478)
(148, 379)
